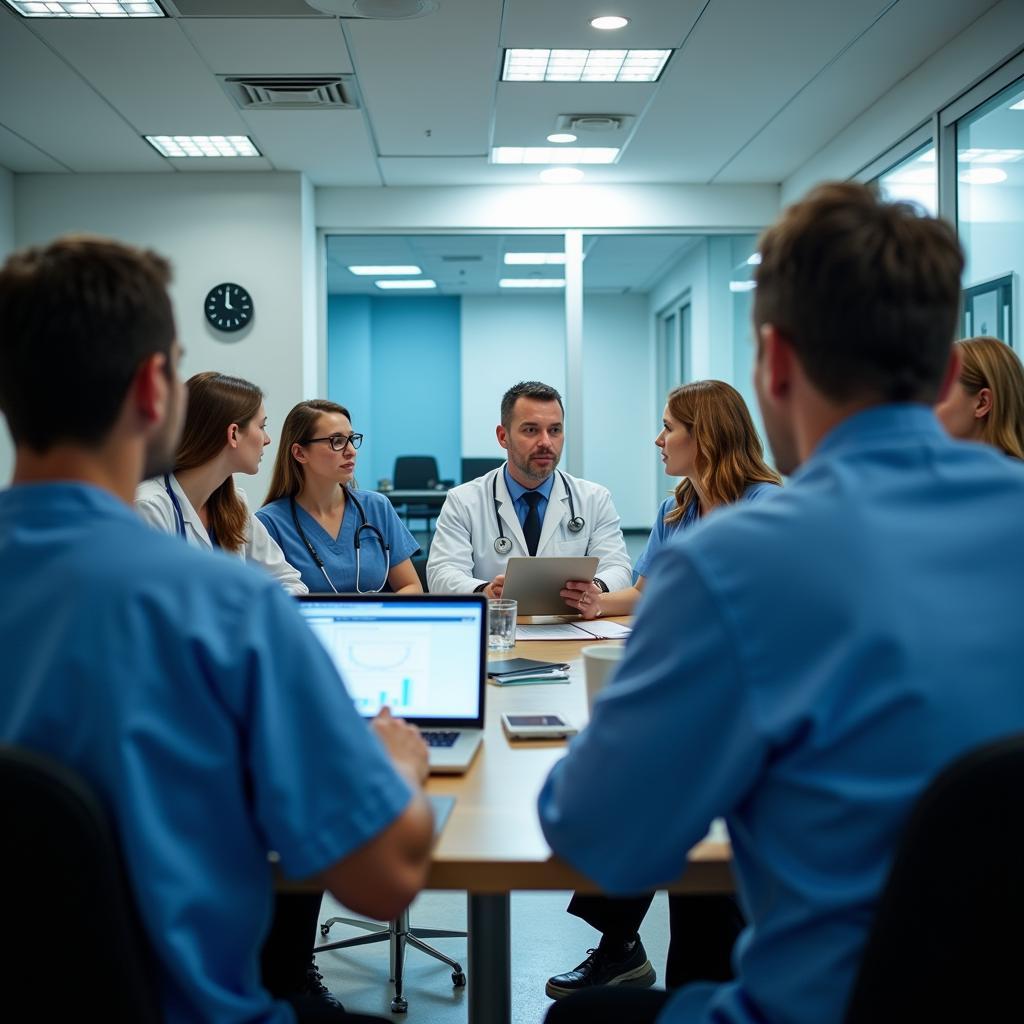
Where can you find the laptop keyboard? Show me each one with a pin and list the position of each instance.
(435, 738)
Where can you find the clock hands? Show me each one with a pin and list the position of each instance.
(227, 299)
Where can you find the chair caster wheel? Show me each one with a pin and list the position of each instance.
(399, 1005)
(458, 979)
(324, 931)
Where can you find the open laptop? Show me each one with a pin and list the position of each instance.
(422, 655)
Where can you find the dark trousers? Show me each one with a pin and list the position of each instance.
(703, 929)
(609, 1006)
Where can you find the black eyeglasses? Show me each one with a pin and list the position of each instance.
(337, 441)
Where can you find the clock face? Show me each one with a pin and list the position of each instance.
(228, 307)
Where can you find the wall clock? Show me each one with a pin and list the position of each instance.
(228, 307)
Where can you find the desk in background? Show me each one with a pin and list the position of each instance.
(493, 843)
(422, 503)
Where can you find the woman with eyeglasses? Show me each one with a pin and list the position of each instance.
(341, 539)
(224, 433)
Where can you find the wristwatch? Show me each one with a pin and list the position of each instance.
(601, 583)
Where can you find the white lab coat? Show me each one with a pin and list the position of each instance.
(462, 554)
(153, 503)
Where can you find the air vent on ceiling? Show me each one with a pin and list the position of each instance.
(299, 92)
(594, 122)
(461, 259)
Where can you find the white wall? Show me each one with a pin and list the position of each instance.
(214, 227)
(6, 246)
(958, 66)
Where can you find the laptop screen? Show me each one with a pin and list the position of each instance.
(421, 655)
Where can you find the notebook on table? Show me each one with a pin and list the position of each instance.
(421, 655)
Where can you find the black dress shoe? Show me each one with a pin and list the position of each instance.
(620, 965)
(315, 988)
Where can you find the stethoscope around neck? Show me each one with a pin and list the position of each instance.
(179, 516)
(502, 544)
(356, 542)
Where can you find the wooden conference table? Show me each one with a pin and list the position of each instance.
(492, 842)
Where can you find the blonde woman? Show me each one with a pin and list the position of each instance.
(986, 401)
(225, 433)
(708, 439)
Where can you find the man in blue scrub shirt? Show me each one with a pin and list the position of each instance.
(804, 667)
(182, 686)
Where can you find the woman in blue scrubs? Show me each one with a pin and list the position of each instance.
(708, 439)
(341, 539)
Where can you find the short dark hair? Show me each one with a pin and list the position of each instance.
(77, 319)
(867, 292)
(527, 389)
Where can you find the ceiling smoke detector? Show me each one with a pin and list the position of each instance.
(583, 123)
(376, 10)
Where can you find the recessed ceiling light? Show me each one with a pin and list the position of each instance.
(531, 282)
(561, 137)
(422, 282)
(754, 259)
(189, 146)
(561, 175)
(583, 65)
(1019, 105)
(554, 154)
(383, 270)
(87, 8)
(742, 286)
(982, 176)
(609, 22)
(534, 259)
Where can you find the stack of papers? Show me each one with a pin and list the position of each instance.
(516, 671)
(592, 629)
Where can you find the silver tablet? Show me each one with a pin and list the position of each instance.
(535, 582)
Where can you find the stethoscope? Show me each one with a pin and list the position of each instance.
(502, 544)
(357, 540)
(179, 516)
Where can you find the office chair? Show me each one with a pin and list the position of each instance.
(477, 467)
(398, 934)
(419, 563)
(417, 473)
(59, 852)
(945, 942)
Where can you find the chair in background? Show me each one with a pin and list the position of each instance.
(418, 473)
(61, 864)
(945, 942)
(398, 934)
(474, 467)
(419, 563)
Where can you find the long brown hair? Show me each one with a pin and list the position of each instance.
(215, 401)
(298, 428)
(730, 456)
(990, 363)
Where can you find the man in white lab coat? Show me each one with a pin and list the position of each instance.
(527, 507)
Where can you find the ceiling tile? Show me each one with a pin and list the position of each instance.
(22, 157)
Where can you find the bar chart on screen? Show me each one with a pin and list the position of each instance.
(392, 672)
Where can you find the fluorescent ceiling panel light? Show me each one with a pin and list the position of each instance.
(609, 22)
(383, 271)
(982, 176)
(534, 259)
(561, 138)
(87, 8)
(989, 156)
(189, 146)
(1019, 105)
(531, 282)
(583, 65)
(423, 282)
(561, 175)
(754, 259)
(742, 286)
(554, 154)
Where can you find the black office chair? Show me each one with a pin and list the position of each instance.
(418, 473)
(945, 944)
(472, 468)
(60, 862)
(419, 563)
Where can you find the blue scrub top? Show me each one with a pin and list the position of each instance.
(662, 532)
(338, 553)
(185, 687)
(804, 667)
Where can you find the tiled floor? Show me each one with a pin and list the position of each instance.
(545, 941)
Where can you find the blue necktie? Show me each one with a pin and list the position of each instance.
(531, 528)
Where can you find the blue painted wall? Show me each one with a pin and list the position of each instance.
(395, 363)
